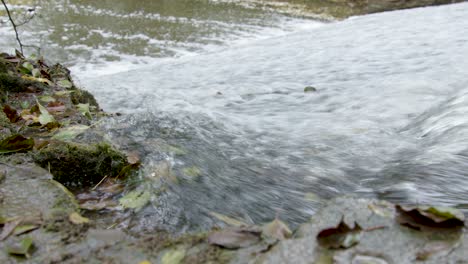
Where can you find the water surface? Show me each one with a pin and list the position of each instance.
(388, 119)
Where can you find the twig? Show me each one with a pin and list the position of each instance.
(26, 20)
(99, 183)
(14, 25)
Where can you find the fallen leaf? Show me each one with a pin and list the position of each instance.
(16, 143)
(174, 256)
(56, 107)
(41, 80)
(22, 248)
(19, 230)
(277, 230)
(28, 66)
(228, 220)
(45, 117)
(136, 199)
(70, 133)
(65, 84)
(46, 99)
(77, 219)
(11, 113)
(341, 236)
(431, 216)
(84, 110)
(8, 228)
(144, 262)
(235, 238)
(63, 93)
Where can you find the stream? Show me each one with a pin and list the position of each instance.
(216, 104)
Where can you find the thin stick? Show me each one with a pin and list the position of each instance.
(14, 25)
(99, 183)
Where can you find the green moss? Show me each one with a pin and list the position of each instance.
(80, 165)
(3, 66)
(83, 97)
(9, 83)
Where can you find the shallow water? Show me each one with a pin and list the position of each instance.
(388, 119)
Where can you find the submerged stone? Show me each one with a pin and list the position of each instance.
(309, 89)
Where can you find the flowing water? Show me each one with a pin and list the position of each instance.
(231, 130)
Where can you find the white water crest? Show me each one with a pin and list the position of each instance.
(388, 119)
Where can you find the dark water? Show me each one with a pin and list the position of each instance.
(388, 119)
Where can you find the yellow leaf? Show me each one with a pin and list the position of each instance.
(77, 219)
(34, 79)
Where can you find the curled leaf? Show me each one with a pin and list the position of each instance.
(341, 236)
(430, 216)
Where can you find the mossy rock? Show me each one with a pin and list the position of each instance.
(80, 96)
(9, 83)
(59, 72)
(80, 165)
(3, 66)
(28, 190)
